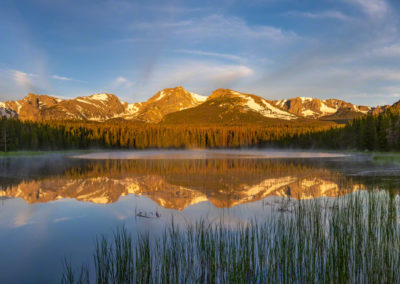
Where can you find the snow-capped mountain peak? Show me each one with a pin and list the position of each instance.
(316, 108)
(100, 97)
(198, 97)
(254, 103)
(222, 106)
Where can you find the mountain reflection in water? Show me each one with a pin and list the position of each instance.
(174, 184)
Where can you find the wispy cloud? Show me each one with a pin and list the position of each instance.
(19, 82)
(134, 40)
(235, 27)
(221, 26)
(62, 78)
(332, 14)
(373, 8)
(364, 75)
(392, 50)
(173, 9)
(122, 82)
(211, 54)
(200, 75)
(23, 79)
(163, 24)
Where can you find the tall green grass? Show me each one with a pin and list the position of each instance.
(350, 239)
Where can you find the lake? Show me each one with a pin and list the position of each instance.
(54, 206)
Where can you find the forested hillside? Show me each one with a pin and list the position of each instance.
(59, 135)
(372, 132)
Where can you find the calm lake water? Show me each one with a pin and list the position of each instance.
(53, 207)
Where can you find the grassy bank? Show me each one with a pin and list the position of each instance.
(22, 153)
(351, 239)
(387, 157)
(40, 153)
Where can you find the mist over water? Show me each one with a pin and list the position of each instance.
(61, 203)
(208, 154)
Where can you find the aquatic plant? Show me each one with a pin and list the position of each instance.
(353, 238)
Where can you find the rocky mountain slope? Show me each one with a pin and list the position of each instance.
(168, 101)
(7, 112)
(177, 105)
(100, 107)
(228, 106)
(331, 109)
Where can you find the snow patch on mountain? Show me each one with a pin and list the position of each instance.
(265, 109)
(7, 112)
(100, 97)
(325, 109)
(281, 103)
(86, 102)
(18, 106)
(198, 97)
(306, 99)
(3, 112)
(160, 96)
(132, 108)
(308, 112)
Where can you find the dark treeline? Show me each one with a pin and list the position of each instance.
(371, 132)
(62, 135)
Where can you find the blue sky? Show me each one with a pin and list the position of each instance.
(346, 49)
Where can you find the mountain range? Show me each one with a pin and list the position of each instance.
(179, 106)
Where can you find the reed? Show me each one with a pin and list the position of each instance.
(350, 239)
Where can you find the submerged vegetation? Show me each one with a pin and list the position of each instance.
(354, 238)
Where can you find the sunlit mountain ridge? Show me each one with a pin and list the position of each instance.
(177, 105)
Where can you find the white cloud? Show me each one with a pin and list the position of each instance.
(381, 97)
(16, 82)
(134, 40)
(392, 89)
(373, 8)
(211, 54)
(222, 27)
(389, 51)
(356, 74)
(200, 75)
(62, 78)
(23, 79)
(385, 74)
(164, 24)
(122, 82)
(322, 15)
(172, 9)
